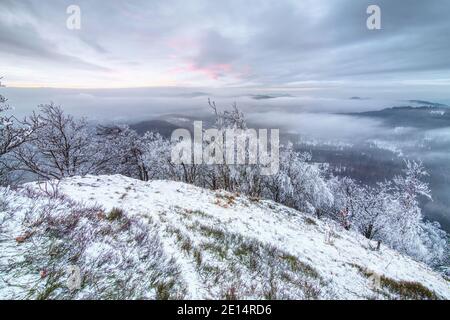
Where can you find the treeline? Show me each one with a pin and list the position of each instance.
(51, 144)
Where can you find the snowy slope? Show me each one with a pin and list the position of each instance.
(224, 245)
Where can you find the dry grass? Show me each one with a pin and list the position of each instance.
(400, 289)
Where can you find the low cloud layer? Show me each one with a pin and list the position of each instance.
(146, 103)
(319, 117)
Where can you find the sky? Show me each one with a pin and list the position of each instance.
(274, 45)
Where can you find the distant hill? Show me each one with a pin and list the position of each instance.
(424, 117)
(429, 104)
(266, 96)
(164, 128)
(166, 124)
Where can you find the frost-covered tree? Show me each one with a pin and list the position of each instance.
(405, 228)
(390, 212)
(371, 209)
(13, 133)
(299, 183)
(405, 212)
(142, 157)
(156, 156)
(60, 146)
(358, 207)
(225, 175)
(125, 151)
(437, 242)
(347, 195)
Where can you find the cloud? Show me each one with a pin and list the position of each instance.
(234, 43)
(21, 39)
(25, 42)
(215, 49)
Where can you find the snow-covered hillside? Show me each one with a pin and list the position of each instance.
(163, 239)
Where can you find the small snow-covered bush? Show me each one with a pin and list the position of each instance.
(115, 214)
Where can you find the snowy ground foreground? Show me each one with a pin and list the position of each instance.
(229, 246)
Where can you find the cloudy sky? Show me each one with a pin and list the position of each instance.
(285, 44)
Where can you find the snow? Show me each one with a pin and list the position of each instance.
(182, 207)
